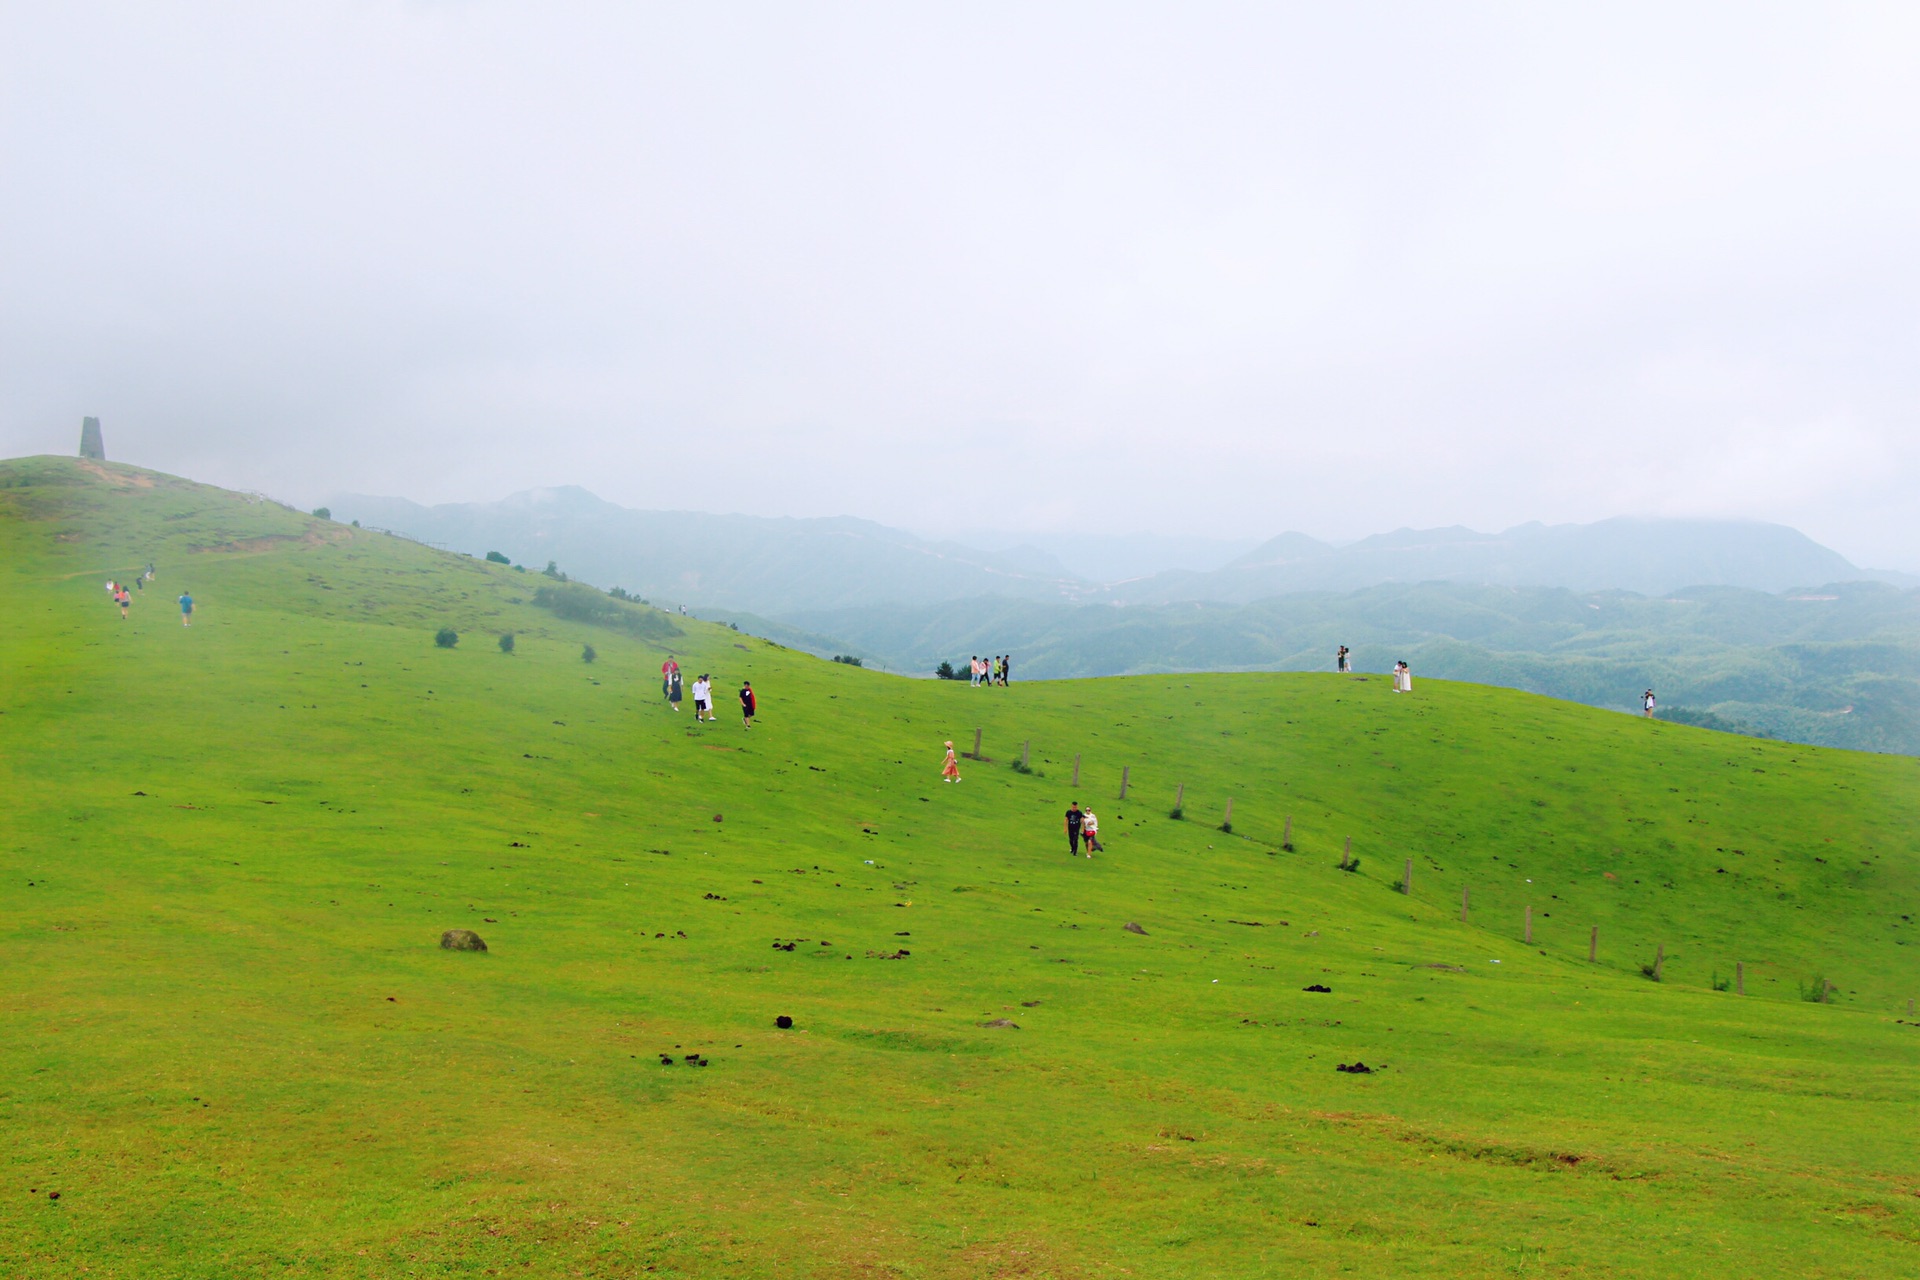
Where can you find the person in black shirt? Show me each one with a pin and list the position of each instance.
(1342, 662)
(1074, 819)
(748, 704)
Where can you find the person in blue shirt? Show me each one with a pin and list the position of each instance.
(186, 609)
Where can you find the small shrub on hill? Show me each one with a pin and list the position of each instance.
(1818, 991)
(848, 659)
(506, 643)
(553, 571)
(587, 654)
(323, 513)
(494, 557)
(446, 637)
(945, 671)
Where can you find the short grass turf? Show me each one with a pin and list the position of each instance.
(230, 1041)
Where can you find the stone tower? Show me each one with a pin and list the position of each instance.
(90, 445)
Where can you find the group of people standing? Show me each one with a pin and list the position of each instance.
(703, 699)
(990, 670)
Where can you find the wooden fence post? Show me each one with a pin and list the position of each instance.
(1125, 771)
(1286, 836)
(1593, 946)
(1739, 977)
(1529, 924)
(1180, 799)
(1076, 771)
(1406, 879)
(1226, 820)
(1463, 903)
(1659, 959)
(1346, 854)
(1025, 747)
(976, 744)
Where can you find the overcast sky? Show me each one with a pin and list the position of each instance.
(1221, 270)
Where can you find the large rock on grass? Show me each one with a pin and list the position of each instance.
(462, 940)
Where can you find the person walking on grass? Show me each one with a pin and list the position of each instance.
(974, 667)
(667, 671)
(674, 687)
(1075, 819)
(186, 608)
(1006, 669)
(748, 704)
(950, 771)
(702, 697)
(123, 598)
(1090, 831)
(1646, 704)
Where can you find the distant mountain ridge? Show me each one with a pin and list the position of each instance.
(1650, 557)
(776, 566)
(766, 564)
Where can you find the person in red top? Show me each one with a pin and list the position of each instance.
(668, 670)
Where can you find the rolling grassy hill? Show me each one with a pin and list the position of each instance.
(230, 1042)
(1832, 665)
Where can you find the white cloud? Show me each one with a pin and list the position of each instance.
(1222, 269)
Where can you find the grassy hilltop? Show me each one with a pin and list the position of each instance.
(230, 1041)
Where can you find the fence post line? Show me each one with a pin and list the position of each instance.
(976, 744)
(1180, 798)
(1346, 854)
(1593, 946)
(1659, 959)
(1024, 748)
(1739, 977)
(1226, 819)
(1529, 924)
(1076, 770)
(1286, 836)
(1126, 771)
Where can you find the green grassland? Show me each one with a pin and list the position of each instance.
(231, 1043)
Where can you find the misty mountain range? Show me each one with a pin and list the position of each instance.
(780, 566)
(1748, 627)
